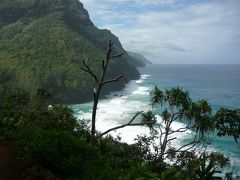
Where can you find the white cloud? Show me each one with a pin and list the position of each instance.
(200, 32)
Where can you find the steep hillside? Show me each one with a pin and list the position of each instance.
(138, 59)
(43, 43)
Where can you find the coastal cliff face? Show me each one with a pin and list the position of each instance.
(139, 60)
(43, 43)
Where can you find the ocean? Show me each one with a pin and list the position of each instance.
(219, 84)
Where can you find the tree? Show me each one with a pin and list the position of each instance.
(99, 82)
(228, 122)
(178, 106)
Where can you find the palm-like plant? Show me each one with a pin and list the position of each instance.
(207, 165)
(201, 114)
(157, 96)
(149, 119)
(228, 122)
(178, 98)
(179, 107)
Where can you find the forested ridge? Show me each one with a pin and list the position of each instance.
(43, 44)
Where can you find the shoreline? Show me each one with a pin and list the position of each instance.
(121, 106)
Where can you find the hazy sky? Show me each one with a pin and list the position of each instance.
(173, 31)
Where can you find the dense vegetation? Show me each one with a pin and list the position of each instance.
(43, 44)
(58, 142)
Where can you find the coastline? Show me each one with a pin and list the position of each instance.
(116, 109)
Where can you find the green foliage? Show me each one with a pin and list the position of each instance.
(58, 151)
(141, 172)
(143, 143)
(177, 98)
(21, 110)
(228, 123)
(149, 119)
(157, 96)
(166, 115)
(173, 173)
(201, 111)
(191, 165)
(125, 153)
(174, 98)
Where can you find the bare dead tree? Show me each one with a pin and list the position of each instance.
(99, 82)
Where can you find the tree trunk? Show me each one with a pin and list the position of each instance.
(165, 140)
(93, 131)
(96, 94)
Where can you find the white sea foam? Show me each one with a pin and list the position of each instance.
(142, 78)
(86, 115)
(139, 81)
(116, 111)
(145, 76)
(141, 90)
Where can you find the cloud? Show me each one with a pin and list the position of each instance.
(171, 31)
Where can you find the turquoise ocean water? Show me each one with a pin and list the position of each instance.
(219, 84)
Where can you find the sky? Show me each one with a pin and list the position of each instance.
(173, 31)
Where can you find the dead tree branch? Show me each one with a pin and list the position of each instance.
(127, 124)
(89, 70)
(117, 56)
(112, 80)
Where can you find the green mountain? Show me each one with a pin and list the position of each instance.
(138, 59)
(43, 43)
